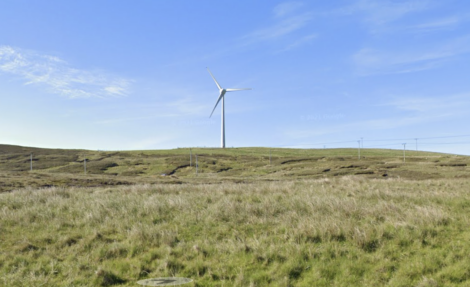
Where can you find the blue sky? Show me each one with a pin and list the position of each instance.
(119, 75)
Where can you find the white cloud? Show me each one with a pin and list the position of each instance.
(58, 77)
(373, 61)
(376, 124)
(451, 104)
(118, 89)
(370, 61)
(282, 28)
(409, 111)
(300, 42)
(384, 11)
(286, 8)
(115, 121)
(435, 25)
(169, 107)
(287, 20)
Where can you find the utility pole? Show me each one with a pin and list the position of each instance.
(359, 150)
(31, 162)
(404, 148)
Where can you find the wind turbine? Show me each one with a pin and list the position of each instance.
(222, 97)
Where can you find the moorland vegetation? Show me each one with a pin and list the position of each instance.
(249, 217)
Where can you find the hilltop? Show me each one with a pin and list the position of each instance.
(65, 167)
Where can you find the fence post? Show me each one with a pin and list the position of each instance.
(404, 148)
(359, 150)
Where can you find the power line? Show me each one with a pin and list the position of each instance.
(444, 137)
(379, 140)
(420, 138)
(444, 143)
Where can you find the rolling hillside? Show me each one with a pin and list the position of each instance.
(60, 167)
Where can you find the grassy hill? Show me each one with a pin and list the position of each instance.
(59, 167)
(250, 217)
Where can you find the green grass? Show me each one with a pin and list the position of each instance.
(341, 232)
(60, 168)
(311, 218)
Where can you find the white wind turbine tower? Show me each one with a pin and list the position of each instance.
(222, 97)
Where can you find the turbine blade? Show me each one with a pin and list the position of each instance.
(218, 100)
(234, 90)
(218, 86)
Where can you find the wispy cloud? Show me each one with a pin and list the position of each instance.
(58, 77)
(405, 111)
(376, 124)
(280, 28)
(112, 121)
(300, 42)
(286, 8)
(451, 104)
(169, 107)
(370, 61)
(433, 25)
(343, 128)
(436, 25)
(287, 19)
(384, 11)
